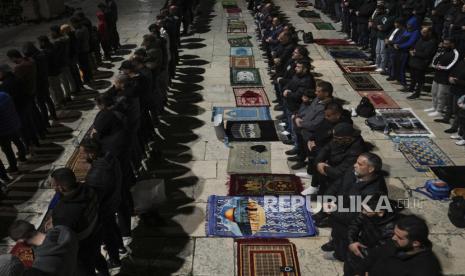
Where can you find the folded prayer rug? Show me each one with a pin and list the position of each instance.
(245, 77)
(270, 257)
(404, 122)
(258, 217)
(379, 99)
(251, 96)
(264, 184)
(423, 153)
(362, 82)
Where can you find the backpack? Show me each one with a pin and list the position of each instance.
(456, 212)
(365, 108)
(376, 123)
(307, 37)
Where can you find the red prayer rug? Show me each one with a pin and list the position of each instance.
(251, 96)
(379, 99)
(332, 42)
(270, 257)
(24, 253)
(233, 10)
(242, 62)
(264, 184)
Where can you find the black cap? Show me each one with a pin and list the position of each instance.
(127, 65)
(345, 130)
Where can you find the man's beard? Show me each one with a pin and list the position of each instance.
(407, 248)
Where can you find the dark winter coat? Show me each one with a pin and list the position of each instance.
(297, 86)
(445, 59)
(9, 122)
(424, 53)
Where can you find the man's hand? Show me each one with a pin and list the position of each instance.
(286, 93)
(311, 144)
(396, 46)
(299, 121)
(355, 248)
(321, 168)
(433, 12)
(452, 80)
(463, 28)
(357, 13)
(380, 27)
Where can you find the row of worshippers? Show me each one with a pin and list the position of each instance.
(45, 76)
(339, 164)
(98, 210)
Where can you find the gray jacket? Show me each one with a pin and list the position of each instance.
(313, 115)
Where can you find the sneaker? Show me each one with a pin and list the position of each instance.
(379, 70)
(450, 130)
(294, 159)
(442, 120)
(413, 96)
(285, 132)
(291, 152)
(304, 175)
(329, 256)
(299, 165)
(431, 109)
(353, 113)
(434, 114)
(460, 143)
(455, 137)
(283, 124)
(309, 191)
(328, 247)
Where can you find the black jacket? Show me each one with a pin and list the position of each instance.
(424, 53)
(41, 61)
(78, 210)
(284, 53)
(11, 85)
(386, 21)
(111, 127)
(324, 133)
(105, 177)
(386, 261)
(440, 11)
(340, 158)
(446, 60)
(365, 11)
(298, 85)
(61, 50)
(456, 30)
(458, 72)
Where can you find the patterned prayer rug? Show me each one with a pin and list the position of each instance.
(356, 54)
(229, 4)
(423, 153)
(24, 253)
(245, 77)
(362, 82)
(379, 99)
(264, 184)
(237, 29)
(344, 62)
(330, 42)
(323, 26)
(233, 15)
(239, 35)
(313, 19)
(239, 42)
(276, 257)
(359, 69)
(243, 159)
(241, 52)
(242, 62)
(78, 163)
(233, 10)
(242, 113)
(251, 96)
(256, 131)
(253, 217)
(404, 122)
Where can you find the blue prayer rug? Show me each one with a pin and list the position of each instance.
(250, 217)
(242, 113)
(422, 153)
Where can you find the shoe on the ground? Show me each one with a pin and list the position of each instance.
(278, 108)
(323, 223)
(450, 130)
(455, 137)
(328, 247)
(275, 101)
(288, 142)
(310, 190)
(330, 257)
(353, 113)
(460, 143)
(434, 114)
(281, 117)
(305, 175)
(390, 79)
(293, 151)
(379, 70)
(283, 124)
(431, 109)
(442, 120)
(406, 89)
(298, 165)
(285, 132)
(413, 96)
(384, 73)
(294, 159)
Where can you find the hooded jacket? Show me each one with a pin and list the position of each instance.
(57, 255)
(408, 38)
(386, 21)
(443, 62)
(105, 177)
(298, 85)
(424, 53)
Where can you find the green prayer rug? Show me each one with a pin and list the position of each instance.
(323, 26)
(249, 157)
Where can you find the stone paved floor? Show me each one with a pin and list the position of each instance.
(195, 165)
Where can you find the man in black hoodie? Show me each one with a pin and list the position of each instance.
(409, 253)
(55, 253)
(363, 14)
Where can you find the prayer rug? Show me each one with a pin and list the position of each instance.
(312, 19)
(240, 42)
(379, 99)
(245, 77)
(423, 153)
(243, 159)
(355, 54)
(237, 36)
(331, 42)
(342, 48)
(236, 23)
(237, 29)
(359, 69)
(78, 163)
(24, 253)
(251, 96)
(404, 122)
(309, 13)
(242, 62)
(233, 15)
(247, 217)
(344, 62)
(257, 257)
(229, 4)
(452, 175)
(242, 113)
(264, 184)
(241, 52)
(362, 82)
(233, 10)
(323, 26)
(256, 131)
